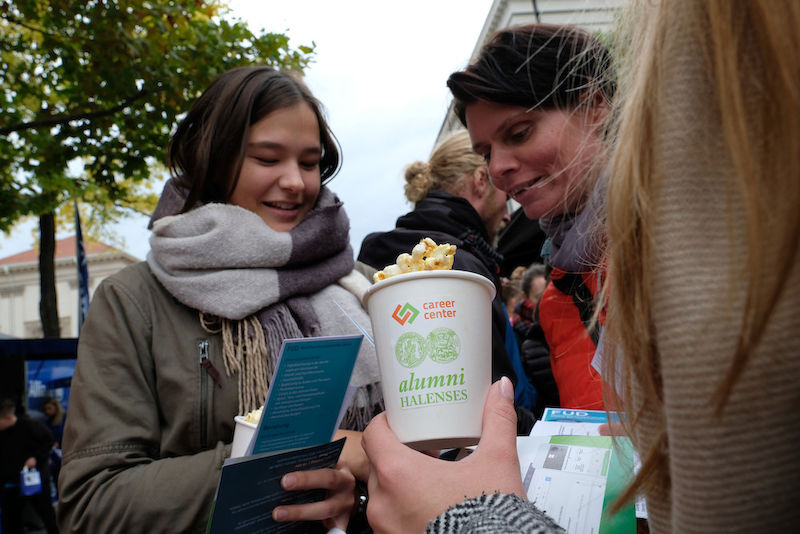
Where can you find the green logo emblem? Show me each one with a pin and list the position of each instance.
(410, 349)
(443, 345)
(405, 313)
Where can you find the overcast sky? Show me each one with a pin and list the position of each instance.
(380, 72)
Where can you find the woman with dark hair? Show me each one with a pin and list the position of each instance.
(248, 248)
(535, 101)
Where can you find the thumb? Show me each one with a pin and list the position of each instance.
(496, 455)
(379, 441)
(499, 418)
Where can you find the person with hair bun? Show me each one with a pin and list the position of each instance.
(455, 202)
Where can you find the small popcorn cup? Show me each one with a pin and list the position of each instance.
(433, 337)
(242, 434)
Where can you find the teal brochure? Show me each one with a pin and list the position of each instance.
(250, 488)
(305, 396)
(569, 415)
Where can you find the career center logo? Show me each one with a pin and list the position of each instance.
(405, 313)
(442, 346)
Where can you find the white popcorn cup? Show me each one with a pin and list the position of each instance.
(433, 337)
(242, 434)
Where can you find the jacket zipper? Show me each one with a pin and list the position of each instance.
(206, 364)
(210, 370)
(203, 393)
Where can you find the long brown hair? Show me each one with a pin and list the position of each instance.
(536, 66)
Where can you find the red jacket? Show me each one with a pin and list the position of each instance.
(565, 313)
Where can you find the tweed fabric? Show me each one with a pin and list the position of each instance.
(494, 513)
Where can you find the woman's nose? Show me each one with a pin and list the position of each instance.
(292, 178)
(501, 168)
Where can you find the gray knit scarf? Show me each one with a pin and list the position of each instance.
(252, 284)
(575, 242)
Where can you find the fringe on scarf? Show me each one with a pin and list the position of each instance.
(250, 349)
(366, 404)
(244, 353)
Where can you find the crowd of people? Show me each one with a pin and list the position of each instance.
(665, 176)
(673, 222)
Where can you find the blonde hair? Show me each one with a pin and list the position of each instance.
(751, 51)
(451, 162)
(58, 418)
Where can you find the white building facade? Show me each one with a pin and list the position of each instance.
(20, 286)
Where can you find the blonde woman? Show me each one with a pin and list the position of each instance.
(702, 337)
(703, 228)
(455, 202)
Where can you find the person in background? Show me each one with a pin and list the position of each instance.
(512, 292)
(455, 202)
(56, 417)
(249, 247)
(512, 295)
(532, 283)
(24, 442)
(701, 343)
(534, 351)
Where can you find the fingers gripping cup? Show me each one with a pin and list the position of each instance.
(432, 334)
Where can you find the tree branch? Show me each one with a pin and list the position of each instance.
(14, 20)
(63, 119)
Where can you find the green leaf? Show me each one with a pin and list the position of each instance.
(104, 82)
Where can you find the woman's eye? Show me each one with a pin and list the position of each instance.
(265, 161)
(310, 164)
(520, 134)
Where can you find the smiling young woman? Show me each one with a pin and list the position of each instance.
(249, 247)
(280, 178)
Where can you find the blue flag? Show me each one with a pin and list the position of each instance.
(83, 272)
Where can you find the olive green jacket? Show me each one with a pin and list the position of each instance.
(149, 425)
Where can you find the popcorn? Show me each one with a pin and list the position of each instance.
(254, 416)
(425, 256)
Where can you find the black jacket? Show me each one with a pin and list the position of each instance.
(446, 218)
(535, 355)
(19, 442)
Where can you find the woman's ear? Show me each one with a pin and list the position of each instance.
(598, 109)
(480, 181)
(595, 107)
